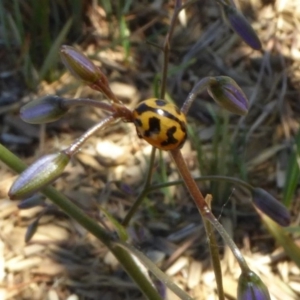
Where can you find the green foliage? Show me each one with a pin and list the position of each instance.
(37, 29)
(220, 157)
(283, 239)
(292, 174)
(39, 59)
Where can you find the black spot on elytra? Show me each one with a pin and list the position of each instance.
(154, 126)
(170, 134)
(138, 123)
(143, 107)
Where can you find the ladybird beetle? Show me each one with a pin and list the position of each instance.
(160, 123)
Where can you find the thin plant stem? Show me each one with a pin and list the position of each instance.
(166, 47)
(189, 180)
(215, 258)
(85, 101)
(203, 210)
(202, 178)
(166, 50)
(200, 86)
(214, 253)
(155, 270)
(144, 191)
(89, 224)
(75, 146)
(228, 240)
(203, 207)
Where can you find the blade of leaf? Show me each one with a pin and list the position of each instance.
(3, 21)
(31, 75)
(155, 270)
(107, 6)
(15, 31)
(18, 19)
(121, 231)
(125, 33)
(126, 7)
(293, 229)
(52, 55)
(292, 175)
(283, 239)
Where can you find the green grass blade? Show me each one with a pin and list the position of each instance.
(197, 145)
(293, 229)
(283, 239)
(29, 72)
(16, 36)
(90, 225)
(18, 19)
(148, 264)
(77, 9)
(292, 176)
(125, 33)
(126, 6)
(107, 6)
(40, 27)
(52, 55)
(3, 21)
(120, 229)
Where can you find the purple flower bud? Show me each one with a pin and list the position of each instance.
(250, 287)
(226, 92)
(43, 110)
(79, 65)
(241, 26)
(84, 69)
(38, 175)
(271, 207)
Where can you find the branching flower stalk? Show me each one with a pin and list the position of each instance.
(214, 251)
(220, 178)
(147, 117)
(89, 224)
(190, 183)
(259, 198)
(166, 49)
(75, 146)
(203, 207)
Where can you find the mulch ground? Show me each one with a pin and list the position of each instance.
(62, 260)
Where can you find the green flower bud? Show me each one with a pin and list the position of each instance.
(43, 110)
(38, 175)
(79, 65)
(226, 92)
(241, 26)
(270, 206)
(250, 287)
(84, 69)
